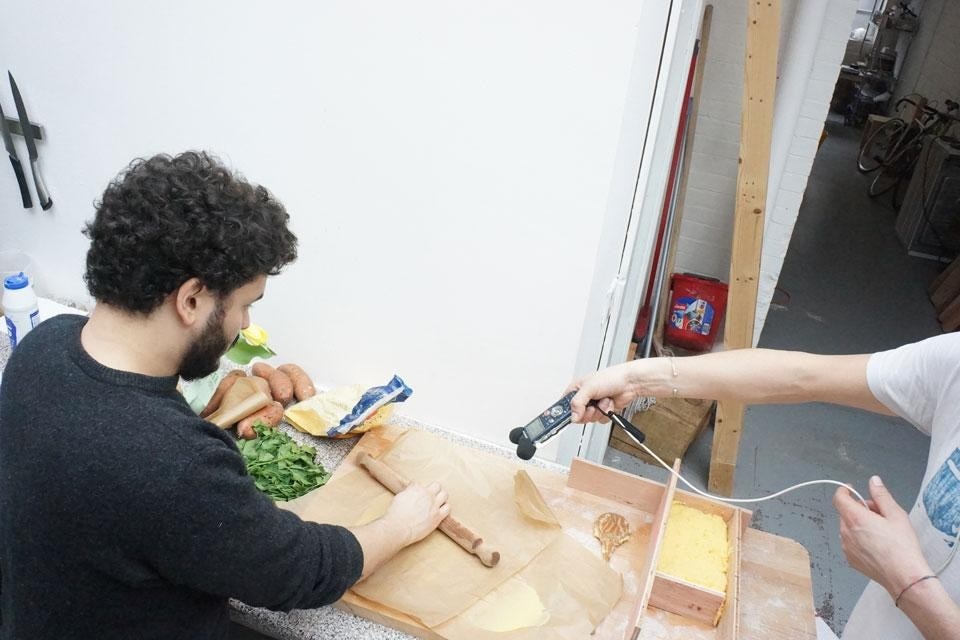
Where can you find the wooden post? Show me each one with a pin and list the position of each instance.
(756, 124)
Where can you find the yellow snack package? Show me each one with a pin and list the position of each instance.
(321, 413)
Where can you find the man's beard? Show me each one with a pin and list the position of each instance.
(203, 356)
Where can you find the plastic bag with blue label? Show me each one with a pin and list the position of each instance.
(371, 402)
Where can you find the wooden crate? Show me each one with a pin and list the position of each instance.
(658, 590)
(700, 603)
(671, 426)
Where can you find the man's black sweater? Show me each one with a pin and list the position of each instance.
(124, 515)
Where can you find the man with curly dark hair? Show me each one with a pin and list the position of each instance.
(124, 515)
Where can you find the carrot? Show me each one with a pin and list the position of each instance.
(228, 380)
(302, 385)
(270, 415)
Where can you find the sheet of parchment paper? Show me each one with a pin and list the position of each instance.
(435, 579)
(563, 594)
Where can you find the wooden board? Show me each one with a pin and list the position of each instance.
(952, 271)
(947, 286)
(649, 571)
(756, 124)
(637, 502)
(950, 316)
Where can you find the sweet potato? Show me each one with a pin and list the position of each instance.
(262, 384)
(302, 385)
(263, 370)
(270, 415)
(228, 380)
(246, 432)
(281, 387)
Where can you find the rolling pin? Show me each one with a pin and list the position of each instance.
(453, 528)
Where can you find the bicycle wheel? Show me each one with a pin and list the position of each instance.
(886, 179)
(879, 145)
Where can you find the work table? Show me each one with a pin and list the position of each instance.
(330, 622)
(775, 587)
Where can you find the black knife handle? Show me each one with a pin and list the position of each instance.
(42, 194)
(22, 182)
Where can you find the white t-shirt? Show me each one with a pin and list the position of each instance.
(920, 383)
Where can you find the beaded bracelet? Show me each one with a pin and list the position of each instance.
(896, 602)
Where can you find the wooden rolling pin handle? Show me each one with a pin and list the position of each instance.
(453, 528)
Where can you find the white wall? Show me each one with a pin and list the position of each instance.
(814, 49)
(446, 166)
(931, 66)
(707, 227)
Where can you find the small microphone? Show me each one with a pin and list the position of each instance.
(515, 435)
(526, 449)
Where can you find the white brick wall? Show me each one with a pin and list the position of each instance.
(932, 64)
(707, 226)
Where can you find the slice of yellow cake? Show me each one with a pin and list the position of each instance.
(695, 548)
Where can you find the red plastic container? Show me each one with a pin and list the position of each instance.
(697, 306)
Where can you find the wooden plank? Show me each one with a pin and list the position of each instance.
(948, 288)
(671, 257)
(686, 599)
(653, 555)
(756, 124)
(613, 484)
(950, 316)
(775, 570)
(952, 268)
(730, 620)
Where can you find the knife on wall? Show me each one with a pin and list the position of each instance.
(15, 161)
(42, 193)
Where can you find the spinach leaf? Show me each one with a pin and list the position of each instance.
(280, 467)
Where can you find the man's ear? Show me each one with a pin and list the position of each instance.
(189, 301)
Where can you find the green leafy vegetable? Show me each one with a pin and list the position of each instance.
(280, 467)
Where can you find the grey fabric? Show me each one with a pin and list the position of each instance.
(124, 515)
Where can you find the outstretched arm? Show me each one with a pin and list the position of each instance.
(751, 376)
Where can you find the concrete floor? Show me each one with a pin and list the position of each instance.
(847, 286)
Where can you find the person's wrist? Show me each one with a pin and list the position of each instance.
(917, 590)
(395, 529)
(900, 580)
(662, 375)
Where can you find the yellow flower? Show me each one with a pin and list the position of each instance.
(255, 335)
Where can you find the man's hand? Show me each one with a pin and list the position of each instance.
(879, 542)
(417, 510)
(411, 516)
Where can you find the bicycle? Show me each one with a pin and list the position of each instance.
(895, 146)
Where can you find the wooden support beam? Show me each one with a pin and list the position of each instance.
(756, 124)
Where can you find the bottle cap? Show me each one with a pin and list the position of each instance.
(16, 281)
